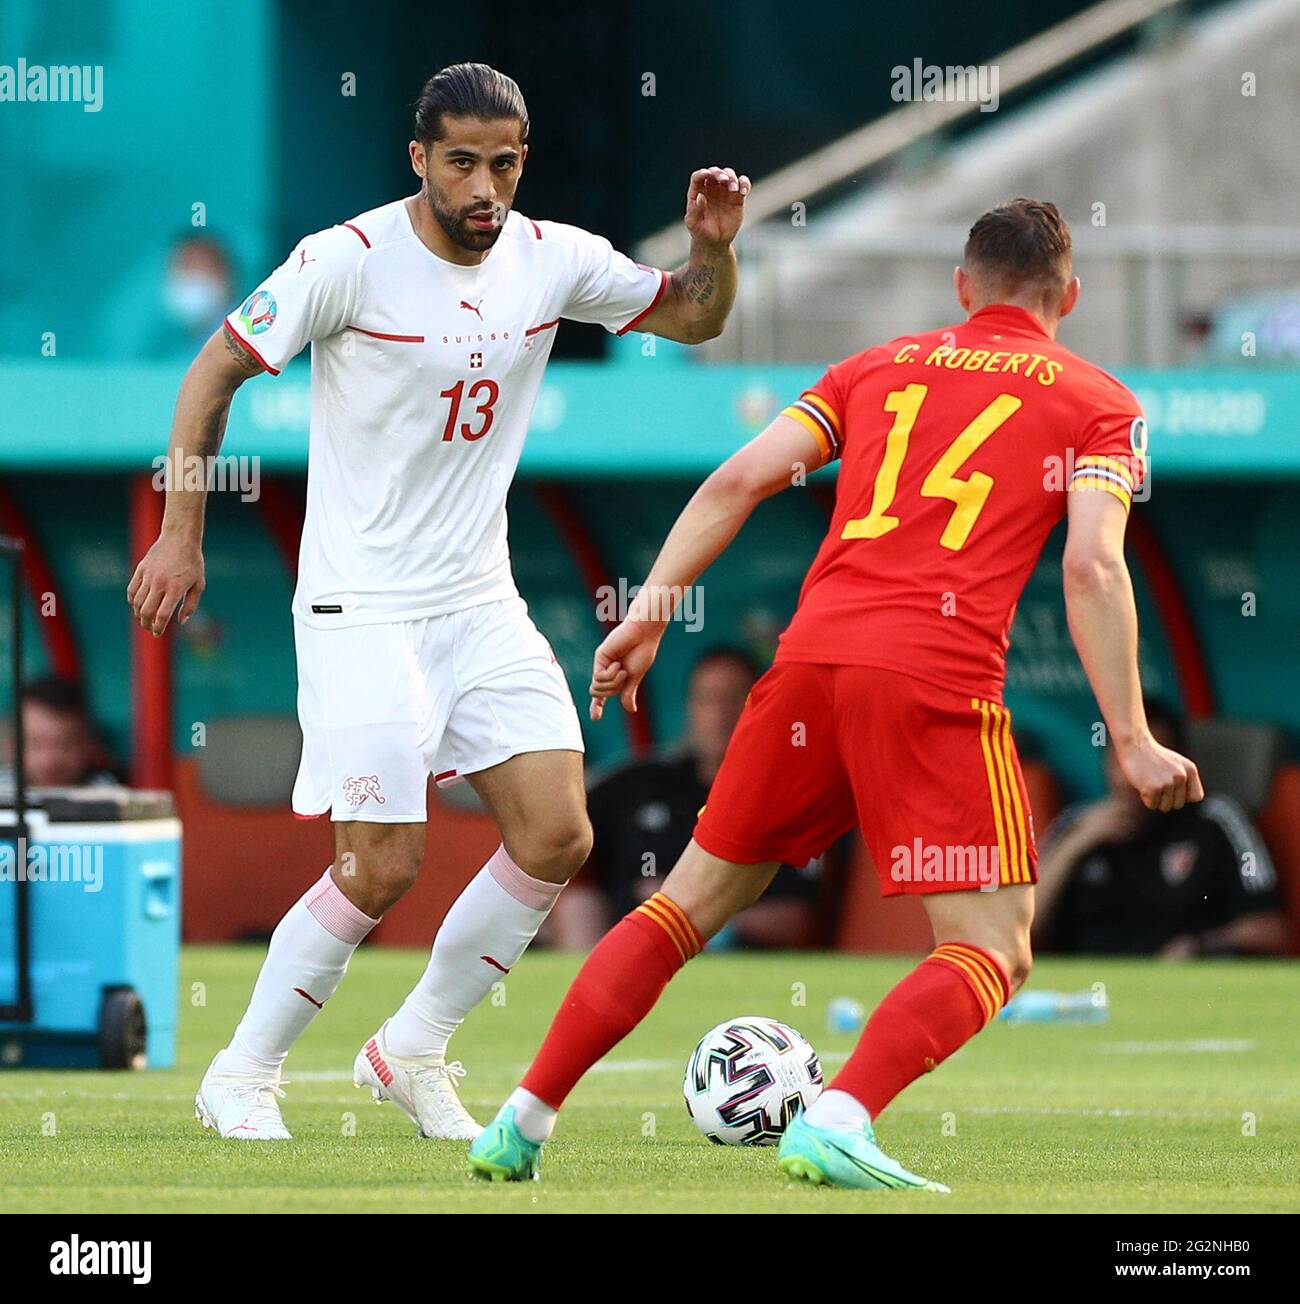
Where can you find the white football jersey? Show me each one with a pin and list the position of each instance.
(423, 379)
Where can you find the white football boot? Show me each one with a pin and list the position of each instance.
(424, 1090)
(240, 1107)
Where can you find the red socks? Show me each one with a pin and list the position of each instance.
(935, 1010)
(616, 988)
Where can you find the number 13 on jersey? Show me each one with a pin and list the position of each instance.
(967, 495)
(483, 394)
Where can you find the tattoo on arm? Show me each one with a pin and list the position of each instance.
(248, 364)
(697, 284)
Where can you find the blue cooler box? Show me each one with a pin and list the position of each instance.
(102, 867)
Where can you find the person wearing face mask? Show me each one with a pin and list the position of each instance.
(197, 293)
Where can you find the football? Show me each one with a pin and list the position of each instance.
(748, 1078)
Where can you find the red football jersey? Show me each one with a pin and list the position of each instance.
(958, 448)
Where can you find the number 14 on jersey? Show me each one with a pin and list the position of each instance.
(968, 495)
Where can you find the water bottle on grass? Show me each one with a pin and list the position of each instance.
(1057, 1007)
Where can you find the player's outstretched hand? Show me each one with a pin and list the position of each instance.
(621, 663)
(1164, 779)
(171, 570)
(715, 205)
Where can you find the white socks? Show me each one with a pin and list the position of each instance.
(307, 958)
(484, 934)
(533, 1116)
(837, 1110)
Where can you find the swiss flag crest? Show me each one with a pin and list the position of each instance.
(475, 361)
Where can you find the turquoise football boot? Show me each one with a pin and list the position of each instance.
(842, 1157)
(502, 1153)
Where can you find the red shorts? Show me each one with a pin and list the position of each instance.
(931, 777)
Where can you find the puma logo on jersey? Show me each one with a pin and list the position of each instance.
(355, 791)
(473, 307)
(303, 260)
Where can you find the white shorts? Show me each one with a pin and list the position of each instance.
(384, 706)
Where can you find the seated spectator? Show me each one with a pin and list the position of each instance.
(1118, 879)
(61, 748)
(644, 812)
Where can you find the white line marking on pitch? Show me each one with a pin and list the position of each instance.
(1206, 1046)
(1099, 1112)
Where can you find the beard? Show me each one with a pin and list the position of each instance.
(456, 224)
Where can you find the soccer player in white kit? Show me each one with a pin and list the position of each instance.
(430, 321)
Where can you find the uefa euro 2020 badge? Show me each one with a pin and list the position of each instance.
(258, 312)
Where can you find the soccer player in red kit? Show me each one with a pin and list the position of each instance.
(961, 449)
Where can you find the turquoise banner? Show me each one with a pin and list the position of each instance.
(635, 416)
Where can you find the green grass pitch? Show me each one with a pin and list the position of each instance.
(1185, 1100)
